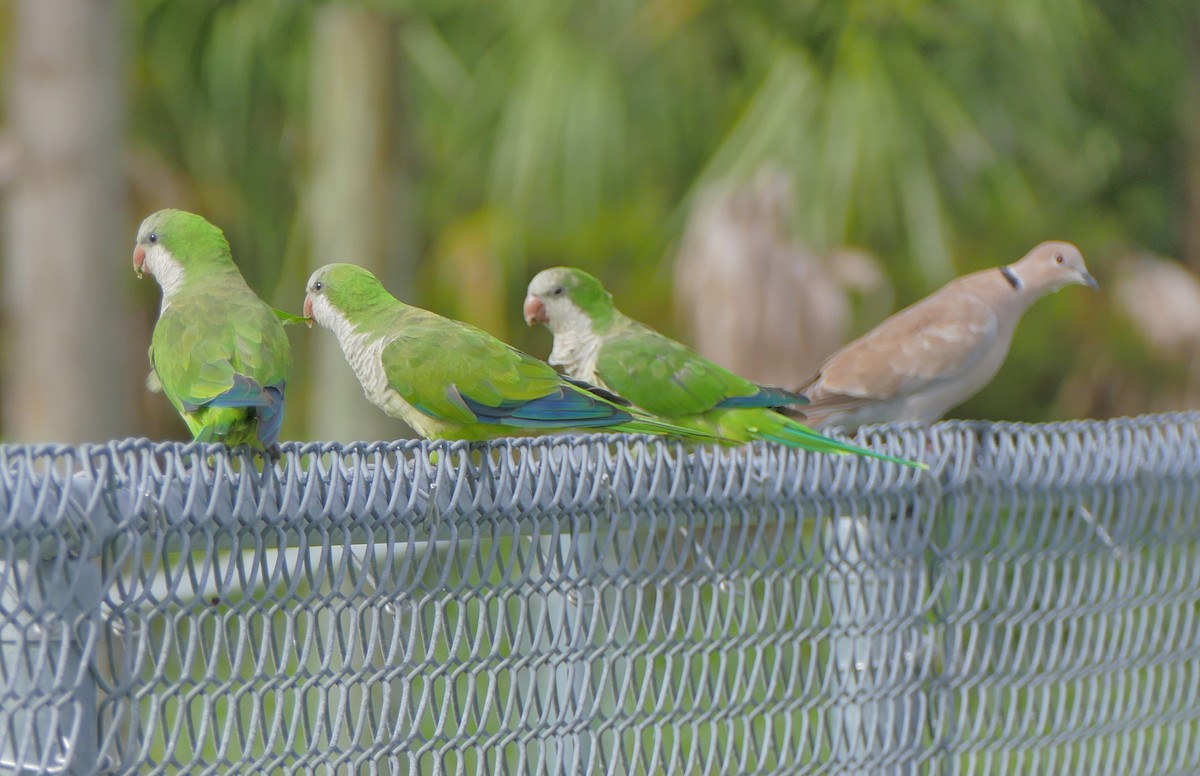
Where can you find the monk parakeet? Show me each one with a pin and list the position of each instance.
(218, 352)
(450, 380)
(594, 341)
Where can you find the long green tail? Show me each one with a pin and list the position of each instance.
(795, 434)
(644, 424)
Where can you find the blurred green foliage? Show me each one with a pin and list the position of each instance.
(943, 136)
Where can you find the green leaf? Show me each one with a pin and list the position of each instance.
(287, 319)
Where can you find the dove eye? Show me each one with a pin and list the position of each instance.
(1058, 258)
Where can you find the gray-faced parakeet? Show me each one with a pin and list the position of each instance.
(450, 380)
(594, 341)
(218, 352)
(935, 354)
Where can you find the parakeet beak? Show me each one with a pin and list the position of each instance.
(139, 259)
(535, 311)
(308, 319)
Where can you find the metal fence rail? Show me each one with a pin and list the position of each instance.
(607, 604)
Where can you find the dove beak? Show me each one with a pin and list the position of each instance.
(308, 311)
(139, 260)
(1089, 281)
(535, 311)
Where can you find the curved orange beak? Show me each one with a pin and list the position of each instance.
(535, 311)
(139, 259)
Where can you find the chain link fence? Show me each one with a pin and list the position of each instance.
(606, 604)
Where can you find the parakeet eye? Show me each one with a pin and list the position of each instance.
(153, 237)
(317, 286)
(1058, 258)
(558, 291)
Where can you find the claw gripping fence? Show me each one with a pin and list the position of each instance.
(603, 604)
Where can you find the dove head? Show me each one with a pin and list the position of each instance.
(568, 300)
(339, 294)
(173, 245)
(1049, 267)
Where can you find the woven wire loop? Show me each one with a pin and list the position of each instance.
(608, 604)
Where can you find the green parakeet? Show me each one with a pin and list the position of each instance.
(450, 380)
(594, 341)
(218, 352)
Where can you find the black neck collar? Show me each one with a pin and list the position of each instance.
(1012, 278)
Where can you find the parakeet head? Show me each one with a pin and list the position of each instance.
(1049, 267)
(173, 244)
(567, 299)
(336, 292)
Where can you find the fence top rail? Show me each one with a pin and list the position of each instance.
(99, 488)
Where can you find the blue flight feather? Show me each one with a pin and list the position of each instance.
(559, 409)
(270, 417)
(267, 404)
(767, 396)
(244, 392)
(598, 391)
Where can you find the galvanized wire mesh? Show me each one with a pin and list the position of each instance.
(607, 605)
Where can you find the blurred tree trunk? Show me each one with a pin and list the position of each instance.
(67, 366)
(1191, 134)
(360, 204)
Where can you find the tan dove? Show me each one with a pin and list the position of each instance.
(938, 352)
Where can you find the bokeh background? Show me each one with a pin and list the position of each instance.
(764, 180)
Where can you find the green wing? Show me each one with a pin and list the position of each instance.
(674, 382)
(670, 380)
(219, 353)
(455, 372)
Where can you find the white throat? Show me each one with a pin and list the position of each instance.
(333, 319)
(167, 270)
(576, 348)
(363, 353)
